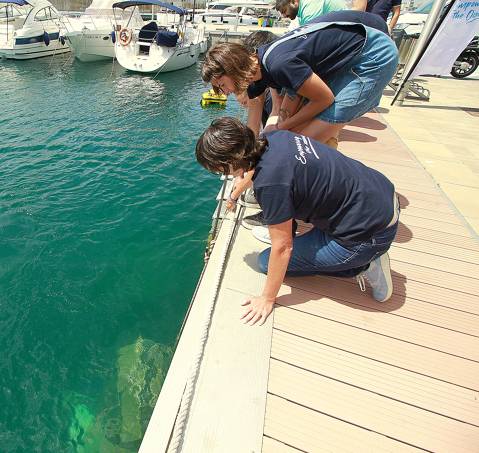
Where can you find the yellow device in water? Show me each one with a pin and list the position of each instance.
(210, 97)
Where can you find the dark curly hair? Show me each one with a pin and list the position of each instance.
(229, 144)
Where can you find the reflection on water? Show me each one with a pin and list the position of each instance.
(103, 221)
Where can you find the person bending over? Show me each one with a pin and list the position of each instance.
(340, 68)
(353, 208)
(259, 110)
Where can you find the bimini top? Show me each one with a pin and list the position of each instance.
(16, 2)
(127, 4)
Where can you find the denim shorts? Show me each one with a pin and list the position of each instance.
(358, 88)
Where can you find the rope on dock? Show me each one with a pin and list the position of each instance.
(176, 441)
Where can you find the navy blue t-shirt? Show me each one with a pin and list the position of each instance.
(299, 178)
(382, 7)
(323, 52)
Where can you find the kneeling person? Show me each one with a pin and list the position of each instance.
(353, 208)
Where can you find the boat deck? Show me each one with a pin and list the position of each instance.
(331, 369)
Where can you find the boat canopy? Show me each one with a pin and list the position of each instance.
(128, 3)
(16, 2)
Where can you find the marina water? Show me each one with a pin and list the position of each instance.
(104, 215)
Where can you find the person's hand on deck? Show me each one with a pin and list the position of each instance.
(257, 309)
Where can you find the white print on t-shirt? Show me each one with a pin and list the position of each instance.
(305, 147)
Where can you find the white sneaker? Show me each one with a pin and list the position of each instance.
(379, 277)
(261, 233)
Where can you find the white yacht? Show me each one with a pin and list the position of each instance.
(30, 29)
(91, 35)
(157, 46)
(236, 12)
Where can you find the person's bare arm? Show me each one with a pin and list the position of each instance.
(394, 19)
(255, 112)
(289, 106)
(359, 5)
(259, 308)
(320, 97)
(240, 185)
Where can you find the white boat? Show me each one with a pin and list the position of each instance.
(236, 13)
(30, 29)
(90, 35)
(156, 47)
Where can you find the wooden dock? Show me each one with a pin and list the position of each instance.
(332, 370)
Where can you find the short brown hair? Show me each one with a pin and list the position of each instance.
(257, 39)
(228, 142)
(232, 60)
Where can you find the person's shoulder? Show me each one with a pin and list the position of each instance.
(277, 136)
(279, 142)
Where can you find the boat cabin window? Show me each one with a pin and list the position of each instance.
(53, 13)
(45, 14)
(218, 7)
(10, 11)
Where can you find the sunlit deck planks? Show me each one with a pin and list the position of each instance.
(332, 370)
(403, 375)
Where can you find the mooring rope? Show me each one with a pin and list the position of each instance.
(177, 437)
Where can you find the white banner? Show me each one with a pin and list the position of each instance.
(453, 36)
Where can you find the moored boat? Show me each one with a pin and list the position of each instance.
(90, 35)
(30, 29)
(155, 47)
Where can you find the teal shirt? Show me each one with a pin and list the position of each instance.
(310, 9)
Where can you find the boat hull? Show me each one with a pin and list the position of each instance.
(88, 45)
(159, 58)
(28, 51)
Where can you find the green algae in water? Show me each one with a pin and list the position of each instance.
(141, 370)
(103, 225)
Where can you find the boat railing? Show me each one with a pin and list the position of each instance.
(96, 23)
(87, 22)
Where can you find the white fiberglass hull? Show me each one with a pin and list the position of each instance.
(158, 59)
(29, 47)
(91, 45)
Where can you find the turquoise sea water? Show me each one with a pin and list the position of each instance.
(104, 214)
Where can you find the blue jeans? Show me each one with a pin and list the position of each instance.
(317, 253)
(359, 86)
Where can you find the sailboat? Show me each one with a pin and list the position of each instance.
(91, 35)
(156, 47)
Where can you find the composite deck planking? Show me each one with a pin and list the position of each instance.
(406, 370)
(332, 370)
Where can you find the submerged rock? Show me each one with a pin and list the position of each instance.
(127, 404)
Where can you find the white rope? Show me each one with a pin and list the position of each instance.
(180, 425)
(177, 437)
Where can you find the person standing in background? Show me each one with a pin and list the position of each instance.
(382, 8)
(307, 10)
